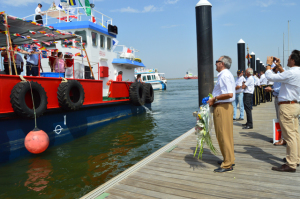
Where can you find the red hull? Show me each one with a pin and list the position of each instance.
(190, 77)
(93, 90)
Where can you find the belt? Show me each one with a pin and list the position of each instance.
(288, 102)
(221, 103)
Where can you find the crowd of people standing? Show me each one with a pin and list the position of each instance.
(251, 90)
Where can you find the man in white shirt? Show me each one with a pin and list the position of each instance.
(224, 95)
(248, 97)
(289, 108)
(263, 84)
(38, 14)
(256, 88)
(239, 95)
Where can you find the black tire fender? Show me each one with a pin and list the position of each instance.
(70, 95)
(149, 92)
(21, 99)
(137, 94)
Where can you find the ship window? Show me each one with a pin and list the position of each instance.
(108, 43)
(149, 77)
(153, 77)
(102, 41)
(81, 33)
(95, 39)
(144, 78)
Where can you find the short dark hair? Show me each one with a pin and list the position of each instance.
(39, 4)
(59, 53)
(120, 73)
(139, 75)
(296, 57)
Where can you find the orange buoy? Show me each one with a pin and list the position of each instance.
(36, 141)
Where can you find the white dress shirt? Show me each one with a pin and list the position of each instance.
(239, 82)
(225, 84)
(18, 60)
(257, 82)
(38, 11)
(263, 80)
(290, 84)
(249, 85)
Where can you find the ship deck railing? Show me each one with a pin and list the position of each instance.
(73, 14)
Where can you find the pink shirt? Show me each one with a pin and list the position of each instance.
(60, 66)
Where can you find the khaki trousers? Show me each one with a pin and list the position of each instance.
(223, 114)
(276, 106)
(288, 118)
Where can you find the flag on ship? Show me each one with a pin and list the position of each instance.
(127, 50)
(86, 6)
(115, 43)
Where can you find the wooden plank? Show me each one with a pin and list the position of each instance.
(178, 174)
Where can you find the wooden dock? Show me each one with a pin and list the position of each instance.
(172, 172)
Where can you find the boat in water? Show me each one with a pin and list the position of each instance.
(90, 93)
(189, 75)
(153, 77)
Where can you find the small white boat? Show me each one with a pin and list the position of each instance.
(152, 76)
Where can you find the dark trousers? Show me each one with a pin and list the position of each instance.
(6, 69)
(39, 19)
(32, 70)
(247, 105)
(269, 95)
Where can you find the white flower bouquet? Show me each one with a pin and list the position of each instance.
(203, 128)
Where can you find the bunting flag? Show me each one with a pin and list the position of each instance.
(42, 32)
(16, 34)
(72, 2)
(47, 43)
(1, 13)
(86, 6)
(77, 54)
(32, 32)
(42, 48)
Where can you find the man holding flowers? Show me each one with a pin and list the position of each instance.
(223, 96)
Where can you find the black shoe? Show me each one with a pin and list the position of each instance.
(234, 119)
(284, 160)
(221, 170)
(244, 124)
(247, 127)
(240, 119)
(220, 162)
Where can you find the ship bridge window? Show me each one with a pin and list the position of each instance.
(94, 39)
(108, 43)
(81, 33)
(102, 41)
(149, 77)
(153, 77)
(144, 78)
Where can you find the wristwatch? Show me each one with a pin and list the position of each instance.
(216, 100)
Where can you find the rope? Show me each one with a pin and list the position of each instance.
(33, 105)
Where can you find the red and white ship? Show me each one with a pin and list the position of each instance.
(189, 75)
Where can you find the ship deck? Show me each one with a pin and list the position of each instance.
(173, 172)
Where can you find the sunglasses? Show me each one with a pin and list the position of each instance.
(218, 61)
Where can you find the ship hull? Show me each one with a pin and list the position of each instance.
(61, 126)
(190, 77)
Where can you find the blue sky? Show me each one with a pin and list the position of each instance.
(164, 31)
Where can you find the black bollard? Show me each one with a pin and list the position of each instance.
(258, 65)
(252, 61)
(204, 49)
(241, 55)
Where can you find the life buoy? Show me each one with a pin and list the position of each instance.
(70, 95)
(21, 99)
(137, 94)
(149, 98)
(108, 83)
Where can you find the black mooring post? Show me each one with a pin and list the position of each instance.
(241, 55)
(252, 61)
(204, 49)
(258, 65)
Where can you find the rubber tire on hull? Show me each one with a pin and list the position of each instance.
(17, 99)
(149, 93)
(137, 94)
(66, 101)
